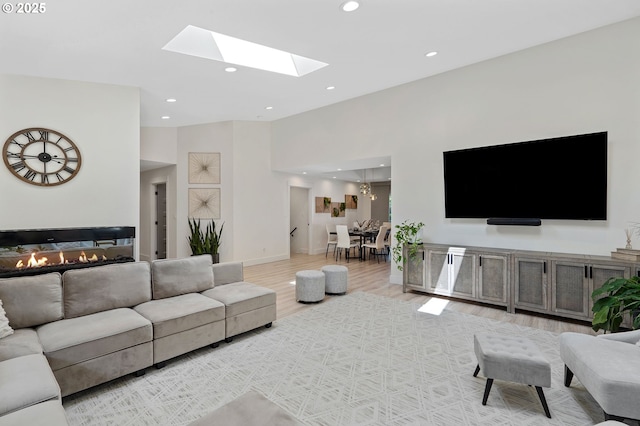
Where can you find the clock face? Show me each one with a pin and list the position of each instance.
(41, 156)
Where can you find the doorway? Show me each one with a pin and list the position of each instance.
(161, 221)
(299, 220)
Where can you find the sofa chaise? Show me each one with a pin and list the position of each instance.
(89, 326)
(608, 366)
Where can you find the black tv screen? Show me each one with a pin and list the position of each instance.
(559, 178)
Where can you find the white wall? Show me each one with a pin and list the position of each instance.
(299, 219)
(159, 144)
(586, 83)
(104, 122)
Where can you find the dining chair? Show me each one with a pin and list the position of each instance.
(344, 242)
(378, 248)
(332, 239)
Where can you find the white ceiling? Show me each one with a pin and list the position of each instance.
(380, 45)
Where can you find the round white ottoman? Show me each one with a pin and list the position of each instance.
(335, 279)
(309, 286)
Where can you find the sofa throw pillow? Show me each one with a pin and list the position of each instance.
(5, 328)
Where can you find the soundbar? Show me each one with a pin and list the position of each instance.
(514, 221)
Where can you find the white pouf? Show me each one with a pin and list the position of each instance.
(335, 279)
(309, 286)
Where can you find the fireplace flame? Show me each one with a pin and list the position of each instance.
(43, 261)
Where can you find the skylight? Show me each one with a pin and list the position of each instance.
(207, 44)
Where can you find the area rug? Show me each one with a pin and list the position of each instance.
(358, 359)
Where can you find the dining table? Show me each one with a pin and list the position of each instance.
(364, 234)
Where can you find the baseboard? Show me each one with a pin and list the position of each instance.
(260, 261)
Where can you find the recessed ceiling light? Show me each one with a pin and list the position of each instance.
(170, 100)
(165, 117)
(331, 87)
(358, 180)
(430, 54)
(350, 6)
(231, 69)
(381, 165)
(339, 170)
(269, 107)
(334, 177)
(304, 173)
(207, 44)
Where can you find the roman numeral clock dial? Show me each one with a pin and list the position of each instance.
(41, 157)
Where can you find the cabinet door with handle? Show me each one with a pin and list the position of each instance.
(570, 289)
(462, 274)
(530, 277)
(438, 274)
(414, 271)
(493, 277)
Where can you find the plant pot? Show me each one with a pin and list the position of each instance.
(215, 258)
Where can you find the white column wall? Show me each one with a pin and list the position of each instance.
(104, 122)
(214, 137)
(582, 84)
(260, 197)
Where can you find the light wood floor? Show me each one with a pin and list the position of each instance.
(372, 277)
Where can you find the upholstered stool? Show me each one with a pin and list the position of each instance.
(335, 279)
(309, 286)
(514, 359)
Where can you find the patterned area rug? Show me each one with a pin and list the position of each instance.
(358, 359)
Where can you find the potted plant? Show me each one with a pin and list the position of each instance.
(616, 298)
(205, 240)
(406, 233)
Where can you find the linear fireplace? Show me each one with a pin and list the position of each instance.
(38, 251)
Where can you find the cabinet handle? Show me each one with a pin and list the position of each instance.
(480, 257)
(544, 267)
(586, 273)
(591, 272)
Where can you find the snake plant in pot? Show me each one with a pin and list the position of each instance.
(205, 240)
(616, 298)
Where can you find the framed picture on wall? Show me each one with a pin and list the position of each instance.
(204, 167)
(323, 204)
(204, 203)
(351, 202)
(338, 209)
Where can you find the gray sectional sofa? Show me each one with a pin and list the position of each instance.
(88, 326)
(608, 366)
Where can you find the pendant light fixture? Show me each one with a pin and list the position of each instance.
(371, 194)
(365, 188)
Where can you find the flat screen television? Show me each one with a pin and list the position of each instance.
(559, 178)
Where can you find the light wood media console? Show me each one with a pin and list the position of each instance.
(558, 284)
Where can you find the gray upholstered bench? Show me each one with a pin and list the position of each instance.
(335, 279)
(514, 359)
(309, 286)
